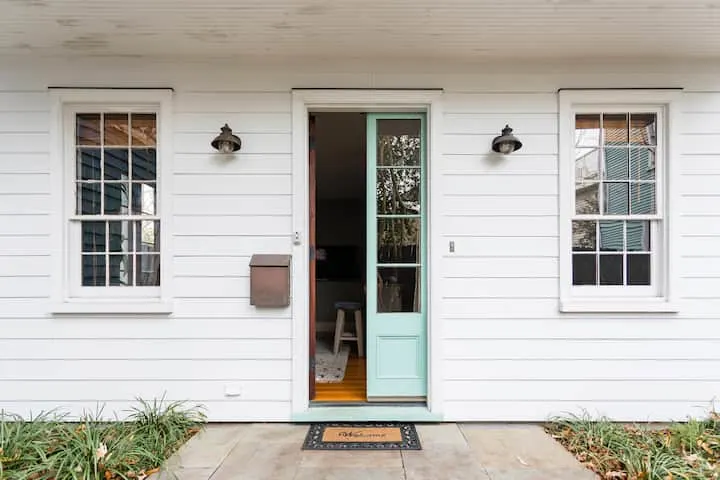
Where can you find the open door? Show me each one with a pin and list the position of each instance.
(396, 265)
(312, 248)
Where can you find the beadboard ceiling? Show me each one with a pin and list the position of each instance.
(464, 30)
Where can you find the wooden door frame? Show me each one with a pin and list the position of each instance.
(360, 100)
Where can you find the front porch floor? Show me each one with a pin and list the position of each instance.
(450, 451)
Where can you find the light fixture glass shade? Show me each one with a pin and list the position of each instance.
(226, 142)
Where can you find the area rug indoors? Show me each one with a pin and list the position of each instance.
(362, 436)
(330, 368)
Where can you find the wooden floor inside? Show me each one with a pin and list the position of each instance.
(351, 389)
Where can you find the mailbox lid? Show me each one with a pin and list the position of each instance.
(269, 260)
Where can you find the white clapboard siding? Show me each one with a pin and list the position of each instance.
(114, 390)
(507, 353)
(581, 370)
(581, 326)
(183, 348)
(491, 163)
(233, 204)
(240, 163)
(137, 327)
(143, 369)
(489, 184)
(21, 203)
(223, 184)
(530, 411)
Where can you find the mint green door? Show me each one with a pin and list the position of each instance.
(396, 267)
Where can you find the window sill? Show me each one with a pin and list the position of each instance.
(617, 306)
(79, 307)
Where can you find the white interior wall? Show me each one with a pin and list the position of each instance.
(508, 353)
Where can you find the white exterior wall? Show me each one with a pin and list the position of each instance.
(507, 353)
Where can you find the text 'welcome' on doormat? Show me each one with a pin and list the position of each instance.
(362, 436)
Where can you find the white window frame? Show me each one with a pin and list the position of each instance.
(68, 295)
(660, 296)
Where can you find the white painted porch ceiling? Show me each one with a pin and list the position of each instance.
(473, 30)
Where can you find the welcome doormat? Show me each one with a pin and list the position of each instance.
(362, 436)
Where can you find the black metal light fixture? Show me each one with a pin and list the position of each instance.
(506, 142)
(226, 142)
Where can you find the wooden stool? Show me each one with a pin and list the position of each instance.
(340, 333)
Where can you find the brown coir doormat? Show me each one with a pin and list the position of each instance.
(362, 436)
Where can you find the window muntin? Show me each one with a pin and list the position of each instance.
(616, 220)
(116, 198)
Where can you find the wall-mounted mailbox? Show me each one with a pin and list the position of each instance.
(270, 280)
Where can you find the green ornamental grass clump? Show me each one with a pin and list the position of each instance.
(679, 451)
(48, 447)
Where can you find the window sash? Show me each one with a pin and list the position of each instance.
(73, 219)
(657, 246)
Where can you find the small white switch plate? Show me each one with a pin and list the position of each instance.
(233, 390)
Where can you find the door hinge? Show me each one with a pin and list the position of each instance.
(311, 250)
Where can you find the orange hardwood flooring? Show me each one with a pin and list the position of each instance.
(351, 389)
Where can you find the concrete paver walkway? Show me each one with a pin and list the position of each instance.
(450, 452)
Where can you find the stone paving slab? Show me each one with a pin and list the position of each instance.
(450, 452)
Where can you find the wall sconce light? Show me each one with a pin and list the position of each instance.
(506, 142)
(226, 142)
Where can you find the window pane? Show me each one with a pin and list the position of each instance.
(116, 198)
(587, 165)
(144, 198)
(638, 269)
(642, 164)
(89, 198)
(642, 198)
(144, 130)
(584, 269)
(586, 198)
(87, 129)
(120, 236)
(93, 270)
(587, 130)
(398, 240)
(147, 271)
(121, 270)
(93, 237)
(611, 269)
(147, 236)
(611, 236)
(584, 236)
(398, 191)
(643, 129)
(88, 164)
(398, 142)
(615, 129)
(144, 164)
(616, 163)
(398, 289)
(116, 164)
(616, 198)
(638, 236)
(116, 130)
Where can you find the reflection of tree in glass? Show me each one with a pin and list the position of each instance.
(398, 193)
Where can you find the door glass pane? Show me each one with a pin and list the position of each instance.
(398, 240)
(398, 289)
(397, 191)
(398, 142)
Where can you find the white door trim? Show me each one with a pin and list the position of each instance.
(304, 101)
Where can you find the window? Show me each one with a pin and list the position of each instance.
(614, 221)
(113, 198)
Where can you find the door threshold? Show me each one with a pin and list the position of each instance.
(314, 404)
(366, 413)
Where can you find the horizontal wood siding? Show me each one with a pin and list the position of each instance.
(507, 352)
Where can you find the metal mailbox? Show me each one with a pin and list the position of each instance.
(270, 280)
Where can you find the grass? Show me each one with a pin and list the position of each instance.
(679, 451)
(49, 447)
